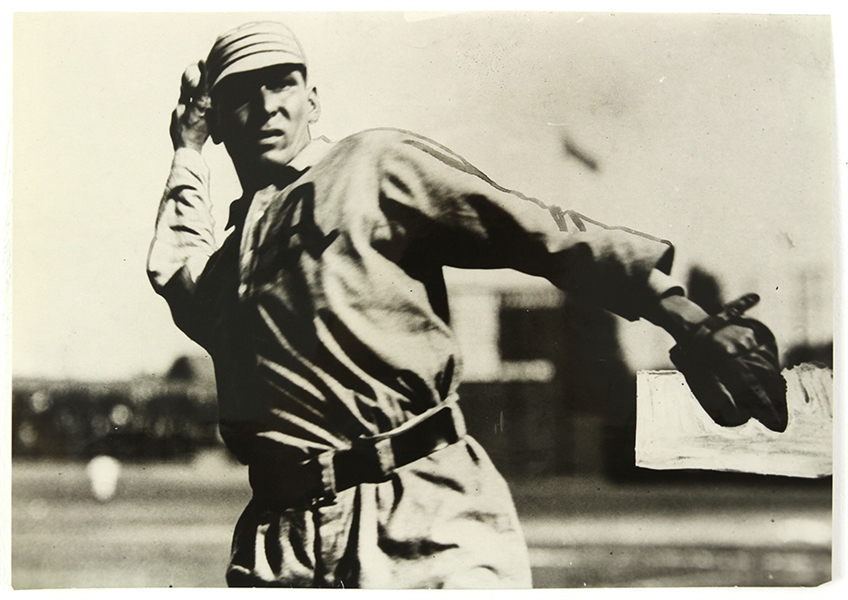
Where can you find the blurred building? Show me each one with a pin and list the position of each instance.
(146, 417)
(550, 381)
(546, 389)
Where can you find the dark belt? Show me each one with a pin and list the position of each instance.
(280, 484)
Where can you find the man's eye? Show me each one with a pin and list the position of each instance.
(279, 84)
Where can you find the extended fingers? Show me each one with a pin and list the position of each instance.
(189, 83)
(193, 85)
(194, 101)
(189, 128)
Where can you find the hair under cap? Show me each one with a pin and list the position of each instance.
(252, 46)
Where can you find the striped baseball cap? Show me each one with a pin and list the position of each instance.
(252, 46)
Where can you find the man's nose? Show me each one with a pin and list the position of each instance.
(271, 100)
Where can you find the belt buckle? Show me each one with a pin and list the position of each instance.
(385, 455)
(325, 462)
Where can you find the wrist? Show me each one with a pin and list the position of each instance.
(678, 315)
(191, 145)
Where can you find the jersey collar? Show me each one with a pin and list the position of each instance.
(300, 164)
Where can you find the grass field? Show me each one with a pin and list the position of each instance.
(169, 524)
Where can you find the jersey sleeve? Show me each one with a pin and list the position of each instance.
(184, 237)
(446, 207)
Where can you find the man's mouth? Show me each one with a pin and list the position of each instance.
(268, 136)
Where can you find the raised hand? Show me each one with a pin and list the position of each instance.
(189, 127)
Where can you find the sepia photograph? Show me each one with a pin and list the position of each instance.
(489, 299)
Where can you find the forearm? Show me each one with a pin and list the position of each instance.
(678, 315)
(443, 206)
(184, 236)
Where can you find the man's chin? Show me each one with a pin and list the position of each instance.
(274, 159)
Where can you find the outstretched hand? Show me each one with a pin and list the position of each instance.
(732, 367)
(189, 127)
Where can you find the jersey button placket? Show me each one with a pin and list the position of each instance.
(248, 258)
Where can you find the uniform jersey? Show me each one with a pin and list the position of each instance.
(326, 314)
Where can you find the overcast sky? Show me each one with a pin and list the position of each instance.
(715, 132)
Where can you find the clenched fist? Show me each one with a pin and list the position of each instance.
(189, 128)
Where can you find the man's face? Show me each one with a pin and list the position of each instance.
(263, 116)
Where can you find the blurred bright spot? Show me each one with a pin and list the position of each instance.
(40, 401)
(103, 473)
(120, 415)
(27, 434)
(38, 509)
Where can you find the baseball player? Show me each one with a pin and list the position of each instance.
(326, 315)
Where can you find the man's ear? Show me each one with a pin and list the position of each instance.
(315, 104)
